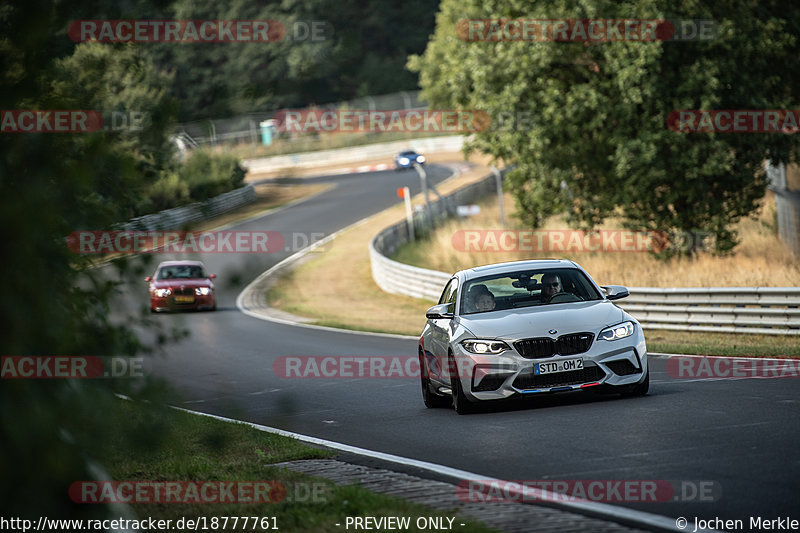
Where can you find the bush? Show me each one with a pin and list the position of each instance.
(209, 175)
(202, 176)
(168, 191)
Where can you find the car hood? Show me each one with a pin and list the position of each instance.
(172, 283)
(537, 321)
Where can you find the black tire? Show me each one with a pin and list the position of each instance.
(640, 389)
(430, 398)
(460, 402)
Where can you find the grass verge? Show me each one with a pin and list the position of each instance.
(151, 442)
(730, 344)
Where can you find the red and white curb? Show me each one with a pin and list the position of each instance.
(358, 170)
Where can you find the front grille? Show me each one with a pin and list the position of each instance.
(574, 343)
(623, 368)
(559, 379)
(536, 348)
(187, 291)
(541, 347)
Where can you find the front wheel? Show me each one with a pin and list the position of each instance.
(640, 389)
(431, 399)
(460, 402)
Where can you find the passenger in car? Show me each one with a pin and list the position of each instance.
(474, 294)
(485, 302)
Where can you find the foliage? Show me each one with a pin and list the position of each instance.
(50, 185)
(363, 52)
(585, 123)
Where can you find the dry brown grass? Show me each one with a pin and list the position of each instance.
(761, 259)
(793, 177)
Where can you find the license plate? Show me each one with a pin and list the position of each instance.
(184, 299)
(551, 367)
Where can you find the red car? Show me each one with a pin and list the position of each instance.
(180, 285)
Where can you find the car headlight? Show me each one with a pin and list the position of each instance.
(202, 291)
(403, 160)
(161, 293)
(420, 159)
(484, 346)
(620, 331)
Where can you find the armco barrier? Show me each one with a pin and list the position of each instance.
(178, 217)
(769, 310)
(398, 278)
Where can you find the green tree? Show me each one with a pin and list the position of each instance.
(363, 53)
(50, 185)
(586, 123)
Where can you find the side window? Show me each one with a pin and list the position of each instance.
(446, 291)
(449, 294)
(453, 296)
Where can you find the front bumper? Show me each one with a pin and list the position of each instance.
(169, 303)
(410, 164)
(493, 377)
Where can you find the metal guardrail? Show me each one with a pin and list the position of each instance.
(768, 310)
(398, 278)
(178, 217)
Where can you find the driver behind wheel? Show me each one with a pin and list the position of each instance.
(551, 285)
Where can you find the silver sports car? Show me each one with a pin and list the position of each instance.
(528, 327)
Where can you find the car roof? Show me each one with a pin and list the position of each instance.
(404, 152)
(177, 263)
(514, 266)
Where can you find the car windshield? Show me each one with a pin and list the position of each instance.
(526, 289)
(408, 153)
(181, 272)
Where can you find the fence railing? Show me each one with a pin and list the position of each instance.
(178, 217)
(768, 310)
(246, 128)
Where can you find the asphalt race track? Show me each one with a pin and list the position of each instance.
(738, 436)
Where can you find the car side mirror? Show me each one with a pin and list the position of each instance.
(439, 311)
(148, 279)
(616, 292)
(212, 276)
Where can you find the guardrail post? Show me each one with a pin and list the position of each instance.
(423, 176)
(499, 180)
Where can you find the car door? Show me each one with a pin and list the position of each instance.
(441, 329)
